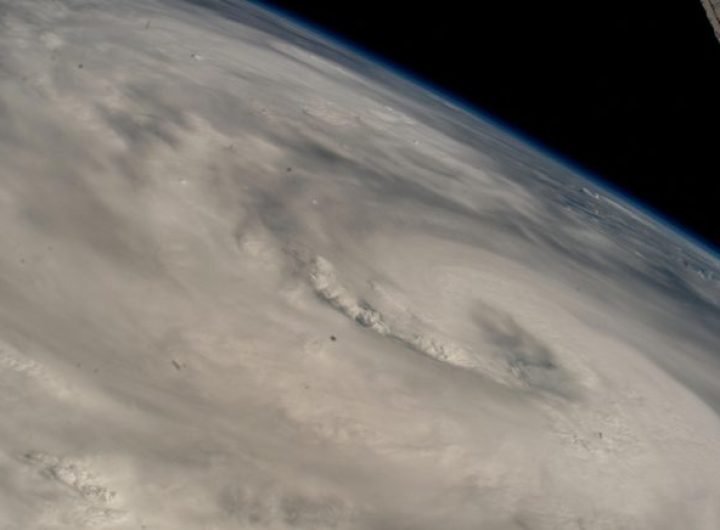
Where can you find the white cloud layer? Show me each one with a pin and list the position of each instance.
(247, 281)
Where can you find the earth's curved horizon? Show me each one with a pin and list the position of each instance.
(250, 279)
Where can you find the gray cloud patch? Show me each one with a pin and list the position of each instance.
(527, 358)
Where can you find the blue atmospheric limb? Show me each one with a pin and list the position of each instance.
(459, 104)
(325, 42)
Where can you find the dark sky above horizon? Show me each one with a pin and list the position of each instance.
(629, 91)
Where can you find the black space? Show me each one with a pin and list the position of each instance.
(628, 90)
